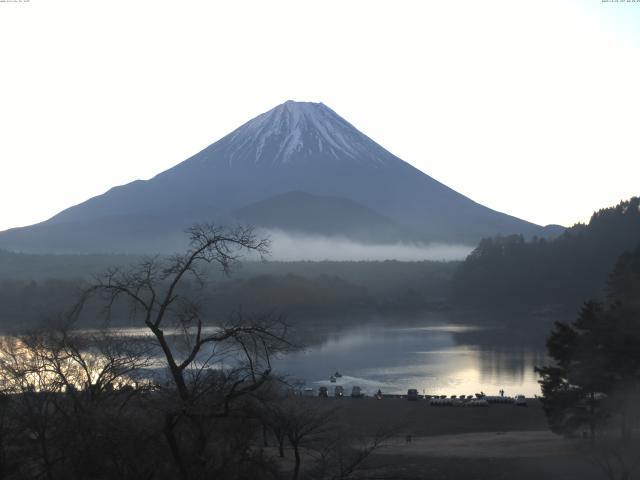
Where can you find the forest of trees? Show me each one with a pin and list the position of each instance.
(562, 271)
(34, 286)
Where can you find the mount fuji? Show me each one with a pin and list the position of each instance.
(300, 168)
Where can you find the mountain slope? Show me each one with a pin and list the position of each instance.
(303, 147)
(299, 212)
(124, 233)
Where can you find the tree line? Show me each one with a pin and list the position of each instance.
(562, 271)
(32, 286)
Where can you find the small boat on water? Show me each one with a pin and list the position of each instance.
(337, 374)
(332, 379)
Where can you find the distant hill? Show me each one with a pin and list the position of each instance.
(353, 186)
(564, 271)
(300, 212)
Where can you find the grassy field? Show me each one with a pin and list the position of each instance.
(500, 441)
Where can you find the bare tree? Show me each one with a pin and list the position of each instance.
(345, 457)
(152, 289)
(313, 430)
(211, 364)
(275, 417)
(21, 373)
(57, 382)
(308, 424)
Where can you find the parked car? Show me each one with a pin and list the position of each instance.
(412, 394)
(356, 392)
(339, 391)
(520, 401)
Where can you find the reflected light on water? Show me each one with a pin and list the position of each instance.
(427, 358)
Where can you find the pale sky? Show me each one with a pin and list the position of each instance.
(529, 107)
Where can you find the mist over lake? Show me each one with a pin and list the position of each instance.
(289, 247)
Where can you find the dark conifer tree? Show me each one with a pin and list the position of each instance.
(596, 374)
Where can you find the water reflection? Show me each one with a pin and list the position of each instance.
(434, 358)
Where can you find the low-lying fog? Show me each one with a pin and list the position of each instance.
(299, 247)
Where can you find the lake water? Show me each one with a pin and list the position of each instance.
(428, 353)
(435, 359)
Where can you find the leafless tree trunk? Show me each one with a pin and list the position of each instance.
(194, 347)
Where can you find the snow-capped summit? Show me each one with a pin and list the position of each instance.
(298, 132)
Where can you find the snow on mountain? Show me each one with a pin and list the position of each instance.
(295, 131)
